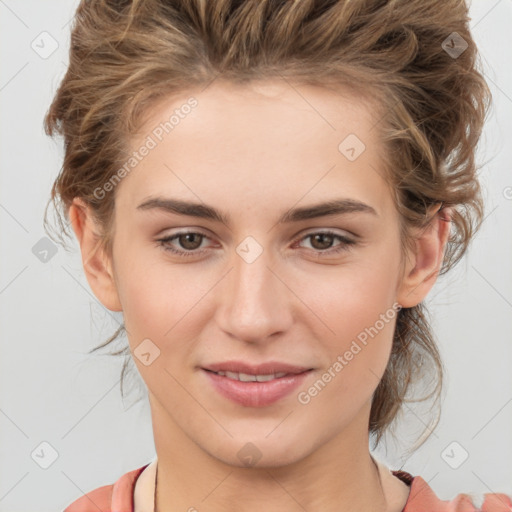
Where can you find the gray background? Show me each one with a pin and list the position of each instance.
(53, 392)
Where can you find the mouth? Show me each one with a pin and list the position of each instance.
(262, 369)
(255, 386)
(246, 377)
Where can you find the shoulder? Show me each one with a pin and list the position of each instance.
(98, 499)
(109, 498)
(422, 497)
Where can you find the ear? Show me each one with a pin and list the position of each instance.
(97, 264)
(423, 267)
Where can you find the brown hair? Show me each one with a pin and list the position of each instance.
(416, 58)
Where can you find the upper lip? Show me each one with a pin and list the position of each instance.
(267, 368)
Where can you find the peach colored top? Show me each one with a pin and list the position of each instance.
(119, 497)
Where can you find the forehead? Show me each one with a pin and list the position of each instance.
(273, 111)
(271, 138)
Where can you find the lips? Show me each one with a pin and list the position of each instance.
(255, 385)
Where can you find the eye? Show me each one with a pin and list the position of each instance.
(191, 241)
(322, 242)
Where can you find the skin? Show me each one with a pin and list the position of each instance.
(255, 151)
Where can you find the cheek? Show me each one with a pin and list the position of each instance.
(352, 297)
(357, 306)
(160, 299)
(358, 356)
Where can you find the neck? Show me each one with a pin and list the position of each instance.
(379, 503)
(339, 476)
(276, 493)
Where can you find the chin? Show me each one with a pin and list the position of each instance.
(260, 453)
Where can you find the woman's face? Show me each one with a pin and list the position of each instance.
(281, 282)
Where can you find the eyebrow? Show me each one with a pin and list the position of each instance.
(333, 207)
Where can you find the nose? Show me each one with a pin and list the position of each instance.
(254, 300)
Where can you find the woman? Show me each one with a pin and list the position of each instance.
(268, 191)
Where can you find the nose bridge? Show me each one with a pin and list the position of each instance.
(254, 304)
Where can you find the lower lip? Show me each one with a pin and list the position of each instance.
(256, 394)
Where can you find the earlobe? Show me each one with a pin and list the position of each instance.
(97, 265)
(424, 266)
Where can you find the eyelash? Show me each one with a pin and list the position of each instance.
(346, 245)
